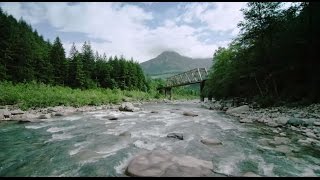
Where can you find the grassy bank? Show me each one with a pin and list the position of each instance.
(30, 95)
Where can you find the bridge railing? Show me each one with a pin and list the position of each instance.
(188, 77)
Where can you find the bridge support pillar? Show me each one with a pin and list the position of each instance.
(201, 90)
(168, 91)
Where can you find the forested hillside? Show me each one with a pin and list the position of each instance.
(274, 58)
(25, 56)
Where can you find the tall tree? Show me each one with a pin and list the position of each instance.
(58, 61)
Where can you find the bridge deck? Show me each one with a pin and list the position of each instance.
(189, 77)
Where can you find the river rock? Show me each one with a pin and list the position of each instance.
(55, 109)
(126, 133)
(316, 123)
(280, 140)
(189, 114)
(211, 141)
(44, 116)
(238, 110)
(175, 135)
(110, 117)
(282, 134)
(154, 112)
(4, 113)
(281, 120)
(159, 163)
(21, 117)
(23, 121)
(283, 148)
(304, 142)
(113, 118)
(126, 106)
(59, 114)
(296, 122)
(245, 120)
(250, 174)
(17, 112)
(272, 124)
(311, 135)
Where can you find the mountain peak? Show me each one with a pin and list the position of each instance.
(171, 62)
(169, 53)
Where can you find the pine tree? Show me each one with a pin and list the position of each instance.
(58, 61)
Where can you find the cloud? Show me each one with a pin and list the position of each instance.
(124, 30)
(219, 16)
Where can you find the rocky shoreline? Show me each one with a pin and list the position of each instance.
(13, 113)
(301, 120)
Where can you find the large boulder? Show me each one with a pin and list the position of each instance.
(159, 163)
(238, 110)
(127, 106)
(175, 135)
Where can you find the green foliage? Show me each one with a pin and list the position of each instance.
(274, 57)
(30, 95)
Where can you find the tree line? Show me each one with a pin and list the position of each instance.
(274, 58)
(25, 56)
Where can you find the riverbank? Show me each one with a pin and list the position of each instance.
(304, 120)
(32, 101)
(14, 113)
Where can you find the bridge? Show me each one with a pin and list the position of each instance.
(198, 75)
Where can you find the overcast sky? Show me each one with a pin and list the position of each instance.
(138, 30)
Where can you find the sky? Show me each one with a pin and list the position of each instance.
(141, 30)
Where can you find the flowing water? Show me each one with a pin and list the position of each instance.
(86, 144)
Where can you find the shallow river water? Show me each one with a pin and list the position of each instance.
(86, 144)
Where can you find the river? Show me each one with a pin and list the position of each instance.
(87, 144)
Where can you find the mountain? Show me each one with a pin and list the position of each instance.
(170, 62)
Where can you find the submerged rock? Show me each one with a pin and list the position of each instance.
(113, 118)
(126, 133)
(110, 117)
(175, 135)
(154, 112)
(189, 114)
(211, 141)
(159, 163)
